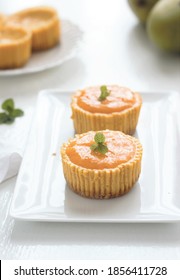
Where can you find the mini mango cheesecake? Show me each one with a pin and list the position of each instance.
(44, 24)
(106, 107)
(15, 47)
(102, 164)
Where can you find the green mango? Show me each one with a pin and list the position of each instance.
(163, 25)
(141, 8)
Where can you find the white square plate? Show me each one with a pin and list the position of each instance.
(41, 193)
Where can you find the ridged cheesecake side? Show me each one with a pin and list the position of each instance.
(14, 53)
(46, 37)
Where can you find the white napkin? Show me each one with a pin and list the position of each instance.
(9, 166)
(13, 139)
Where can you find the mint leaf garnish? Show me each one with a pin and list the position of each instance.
(9, 120)
(94, 147)
(104, 93)
(17, 113)
(3, 117)
(8, 105)
(99, 138)
(103, 149)
(99, 145)
(10, 112)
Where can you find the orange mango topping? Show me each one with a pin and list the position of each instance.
(119, 99)
(121, 149)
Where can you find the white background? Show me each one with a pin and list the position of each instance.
(115, 49)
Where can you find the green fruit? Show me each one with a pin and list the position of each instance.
(141, 8)
(163, 25)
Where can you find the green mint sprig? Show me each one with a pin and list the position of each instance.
(99, 145)
(104, 93)
(10, 112)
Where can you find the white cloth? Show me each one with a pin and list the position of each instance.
(9, 166)
(13, 139)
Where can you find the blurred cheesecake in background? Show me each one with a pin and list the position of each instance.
(2, 20)
(15, 47)
(44, 24)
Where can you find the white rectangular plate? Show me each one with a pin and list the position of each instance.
(41, 193)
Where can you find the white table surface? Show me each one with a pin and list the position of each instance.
(115, 49)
